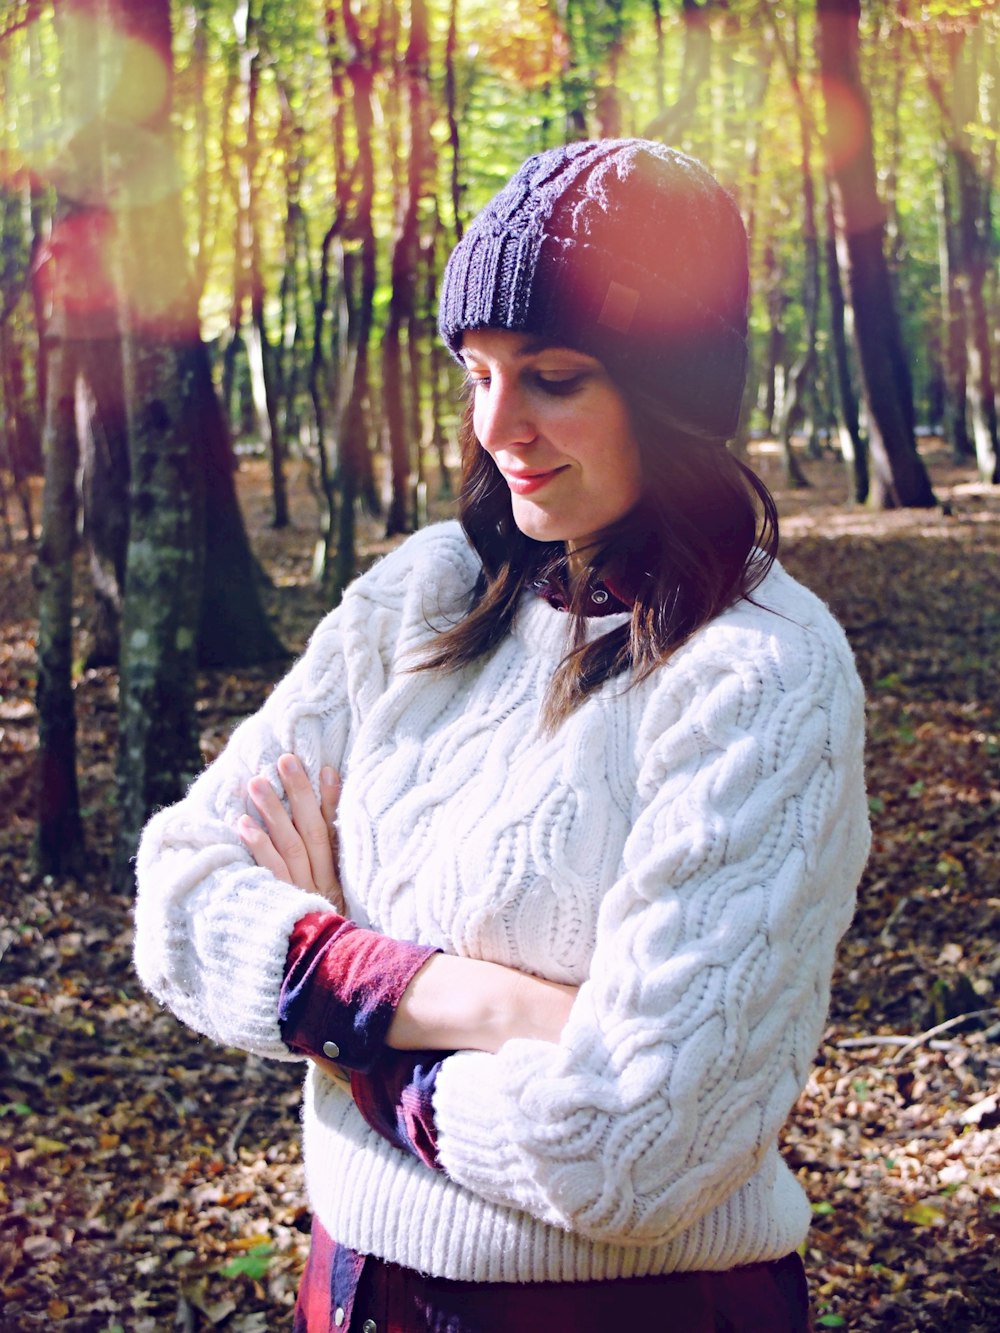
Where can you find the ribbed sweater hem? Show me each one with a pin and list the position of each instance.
(370, 1196)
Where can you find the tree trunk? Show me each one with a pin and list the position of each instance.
(972, 169)
(233, 627)
(355, 472)
(24, 454)
(670, 124)
(402, 304)
(804, 367)
(900, 478)
(158, 752)
(973, 268)
(853, 446)
(952, 321)
(260, 356)
(102, 432)
(59, 838)
(454, 137)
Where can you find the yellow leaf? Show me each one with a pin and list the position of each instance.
(247, 1242)
(924, 1214)
(48, 1146)
(57, 1309)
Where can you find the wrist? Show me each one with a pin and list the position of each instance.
(468, 1004)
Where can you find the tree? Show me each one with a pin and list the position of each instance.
(157, 749)
(899, 477)
(967, 246)
(405, 274)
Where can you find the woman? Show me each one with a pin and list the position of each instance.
(601, 821)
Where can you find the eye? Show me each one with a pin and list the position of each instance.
(560, 384)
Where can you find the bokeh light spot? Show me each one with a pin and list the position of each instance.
(139, 92)
(846, 122)
(521, 40)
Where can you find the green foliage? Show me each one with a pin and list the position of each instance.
(254, 1264)
(523, 74)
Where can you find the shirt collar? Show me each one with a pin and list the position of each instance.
(601, 598)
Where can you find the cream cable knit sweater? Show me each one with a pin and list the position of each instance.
(687, 851)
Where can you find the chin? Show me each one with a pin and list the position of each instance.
(540, 527)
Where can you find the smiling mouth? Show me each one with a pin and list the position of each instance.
(524, 483)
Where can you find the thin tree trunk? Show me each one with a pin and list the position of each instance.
(354, 471)
(59, 839)
(438, 442)
(659, 65)
(23, 443)
(670, 124)
(952, 322)
(973, 269)
(972, 175)
(454, 136)
(853, 447)
(402, 303)
(804, 367)
(260, 355)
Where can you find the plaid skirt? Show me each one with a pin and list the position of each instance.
(345, 1292)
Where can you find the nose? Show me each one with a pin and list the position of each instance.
(501, 415)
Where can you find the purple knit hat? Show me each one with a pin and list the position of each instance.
(627, 250)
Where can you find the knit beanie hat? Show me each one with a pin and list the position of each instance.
(627, 250)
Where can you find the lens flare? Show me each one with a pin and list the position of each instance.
(846, 122)
(522, 41)
(116, 251)
(96, 138)
(74, 273)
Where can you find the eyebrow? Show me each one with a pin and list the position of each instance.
(534, 346)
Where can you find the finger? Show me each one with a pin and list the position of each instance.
(330, 796)
(309, 821)
(261, 848)
(282, 832)
(329, 802)
(333, 1071)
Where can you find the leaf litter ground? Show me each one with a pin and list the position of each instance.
(150, 1181)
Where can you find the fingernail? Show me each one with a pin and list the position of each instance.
(291, 764)
(328, 776)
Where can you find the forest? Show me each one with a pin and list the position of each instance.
(222, 228)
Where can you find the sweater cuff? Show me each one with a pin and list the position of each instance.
(341, 986)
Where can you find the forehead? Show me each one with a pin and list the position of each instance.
(507, 345)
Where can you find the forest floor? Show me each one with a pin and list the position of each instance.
(149, 1181)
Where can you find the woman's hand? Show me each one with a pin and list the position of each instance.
(297, 845)
(452, 1003)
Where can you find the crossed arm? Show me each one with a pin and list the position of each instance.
(452, 1003)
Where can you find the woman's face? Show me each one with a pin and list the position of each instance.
(558, 430)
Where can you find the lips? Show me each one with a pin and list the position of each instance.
(525, 483)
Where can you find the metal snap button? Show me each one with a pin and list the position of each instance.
(331, 1050)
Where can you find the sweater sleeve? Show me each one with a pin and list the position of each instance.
(709, 983)
(212, 928)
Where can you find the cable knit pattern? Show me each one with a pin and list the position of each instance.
(686, 850)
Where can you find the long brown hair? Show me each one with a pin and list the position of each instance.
(703, 537)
